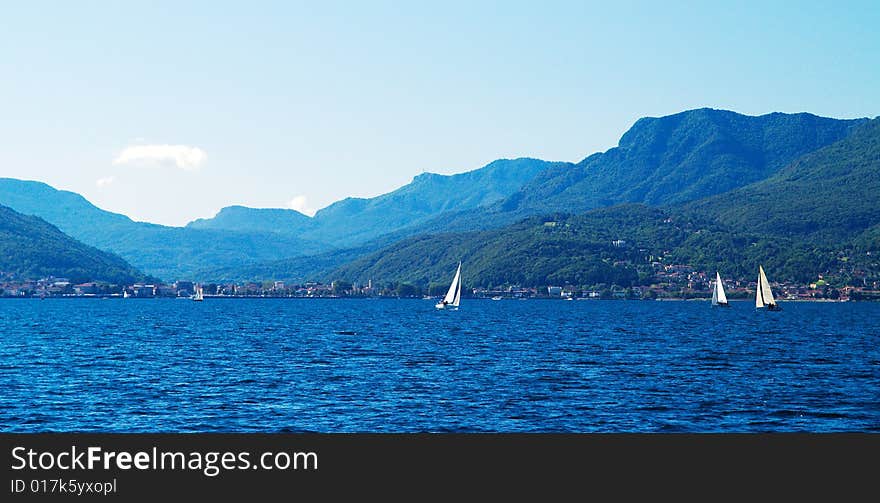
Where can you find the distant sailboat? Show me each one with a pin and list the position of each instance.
(199, 296)
(719, 298)
(453, 296)
(125, 294)
(763, 295)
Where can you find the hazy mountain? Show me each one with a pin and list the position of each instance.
(352, 221)
(69, 211)
(356, 220)
(31, 248)
(167, 252)
(239, 237)
(241, 218)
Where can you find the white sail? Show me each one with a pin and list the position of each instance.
(759, 299)
(718, 295)
(199, 296)
(763, 295)
(453, 296)
(765, 290)
(454, 287)
(457, 300)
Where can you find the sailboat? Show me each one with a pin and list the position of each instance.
(763, 295)
(453, 296)
(199, 296)
(719, 298)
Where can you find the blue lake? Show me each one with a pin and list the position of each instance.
(273, 365)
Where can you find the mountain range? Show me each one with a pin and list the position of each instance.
(166, 252)
(819, 213)
(665, 160)
(806, 183)
(687, 162)
(239, 236)
(353, 221)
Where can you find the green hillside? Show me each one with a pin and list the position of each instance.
(606, 246)
(31, 248)
(826, 197)
(683, 157)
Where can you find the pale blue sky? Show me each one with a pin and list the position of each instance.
(287, 100)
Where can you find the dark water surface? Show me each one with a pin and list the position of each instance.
(514, 366)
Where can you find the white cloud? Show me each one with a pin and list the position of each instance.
(104, 182)
(182, 156)
(300, 204)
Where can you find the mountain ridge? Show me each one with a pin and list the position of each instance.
(659, 161)
(355, 220)
(685, 156)
(235, 238)
(619, 176)
(709, 233)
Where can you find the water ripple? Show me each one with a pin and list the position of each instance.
(400, 365)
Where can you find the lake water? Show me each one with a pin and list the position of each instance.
(273, 365)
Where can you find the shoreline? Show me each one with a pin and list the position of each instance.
(555, 299)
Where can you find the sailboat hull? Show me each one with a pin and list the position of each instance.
(769, 307)
(720, 304)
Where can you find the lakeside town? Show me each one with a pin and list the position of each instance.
(672, 282)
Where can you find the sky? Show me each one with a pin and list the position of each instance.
(168, 111)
